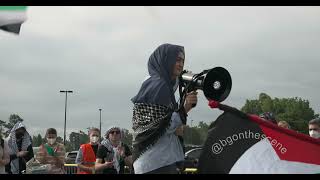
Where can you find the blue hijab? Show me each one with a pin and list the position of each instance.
(159, 88)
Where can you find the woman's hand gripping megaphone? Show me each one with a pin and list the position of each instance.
(191, 100)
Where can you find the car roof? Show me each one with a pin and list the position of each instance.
(73, 152)
(194, 149)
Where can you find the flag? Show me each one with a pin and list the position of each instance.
(11, 18)
(240, 143)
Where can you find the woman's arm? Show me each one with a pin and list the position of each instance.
(6, 156)
(41, 155)
(30, 153)
(128, 160)
(175, 123)
(60, 155)
(176, 119)
(99, 165)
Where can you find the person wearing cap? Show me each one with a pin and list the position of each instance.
(113, 155)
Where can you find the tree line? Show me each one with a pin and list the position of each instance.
(296, 111)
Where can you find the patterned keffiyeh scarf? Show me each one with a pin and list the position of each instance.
(149, 123)
(12, 142)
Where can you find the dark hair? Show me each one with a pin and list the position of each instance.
(269, 116)
(315, 121)
(51, 131)
(23, 128)
(94, 129)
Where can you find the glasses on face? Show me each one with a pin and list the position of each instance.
(314, 129)
(112, 132)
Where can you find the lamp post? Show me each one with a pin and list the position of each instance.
(100, 123)
(65, 115)
(191, 131)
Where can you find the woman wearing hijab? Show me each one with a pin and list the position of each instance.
(20, 144)
(113, 154)
(156, 116)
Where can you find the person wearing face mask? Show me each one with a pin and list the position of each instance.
(20, 146)
(314, 128)
(86, 156)
(52, 153)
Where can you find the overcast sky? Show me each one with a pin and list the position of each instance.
(101, 54)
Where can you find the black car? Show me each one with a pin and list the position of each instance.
(192, 157)
(71, 157)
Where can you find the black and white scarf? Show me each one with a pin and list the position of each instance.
(12, 142)
(150, 122)
(155, 101)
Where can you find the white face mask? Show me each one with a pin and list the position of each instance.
(314, 134)
(94, 139)
(51, 140)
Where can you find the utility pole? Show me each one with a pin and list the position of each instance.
(100, 123)
(65, 115)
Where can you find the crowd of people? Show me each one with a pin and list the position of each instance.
(313, 126)
(108, 156)
(158, 121)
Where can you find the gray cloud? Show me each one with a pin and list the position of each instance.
(101, 54)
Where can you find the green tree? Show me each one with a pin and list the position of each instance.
(127, 137)
(13, 119)
(59, 139)
(191, 136)
(37, 140)
(68, 146)
(296, 111)
(202, 129)
(76, 139)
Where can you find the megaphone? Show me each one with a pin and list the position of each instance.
(215, 83)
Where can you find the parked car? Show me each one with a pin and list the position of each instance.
(188, 147)
(71, 157)
(192, 158)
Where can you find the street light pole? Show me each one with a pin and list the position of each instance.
(191, 131)
(65, 115)
(100, 123)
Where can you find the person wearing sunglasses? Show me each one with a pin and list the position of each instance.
(113, 155)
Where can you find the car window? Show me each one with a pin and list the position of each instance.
(195, 154)
(72, 155)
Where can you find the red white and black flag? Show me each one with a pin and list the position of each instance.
(239, 143)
